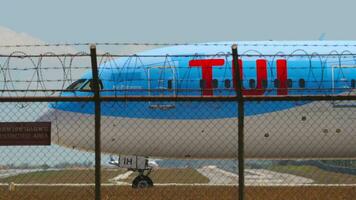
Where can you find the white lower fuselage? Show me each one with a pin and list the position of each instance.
(314, 130)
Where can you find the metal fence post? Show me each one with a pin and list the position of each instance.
(238, 89)
(96, 90)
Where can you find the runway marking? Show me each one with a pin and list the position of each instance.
(252, 177)
(120, 177)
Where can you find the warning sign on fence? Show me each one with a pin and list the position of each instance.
(25, 133)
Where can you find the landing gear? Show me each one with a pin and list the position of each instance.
(139, 164)
(142, 181)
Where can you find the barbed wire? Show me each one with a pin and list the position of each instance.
(257, 54)
(63, 66)
(245, 44)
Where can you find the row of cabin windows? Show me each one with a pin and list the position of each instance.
(252, 83)
(227, 84)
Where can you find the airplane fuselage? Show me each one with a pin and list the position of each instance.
(281, 130)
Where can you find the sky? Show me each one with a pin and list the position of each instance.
(180, 21)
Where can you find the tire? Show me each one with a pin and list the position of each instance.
(142, 182)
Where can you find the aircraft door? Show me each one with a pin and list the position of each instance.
(342, 79)
(343, 83)
(162, 82)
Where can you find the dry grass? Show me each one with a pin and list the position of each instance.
(87, 176)
(63, 176)
(168, 192)
(181, 192)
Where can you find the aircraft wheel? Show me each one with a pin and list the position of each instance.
(142, 181)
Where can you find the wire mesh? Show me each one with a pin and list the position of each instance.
(164, 119)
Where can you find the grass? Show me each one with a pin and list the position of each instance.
(181, 192)
(318, 175)
(173, 192)
(63, 176)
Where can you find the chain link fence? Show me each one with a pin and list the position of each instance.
(168, 123)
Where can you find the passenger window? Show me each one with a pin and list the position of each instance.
(353, 83)
(202, 83)
(227, 83)
(276, 83)
(170, 84)
(290, 83)
(252, 83)
(264, 84)
(215, 83)
(301, 83)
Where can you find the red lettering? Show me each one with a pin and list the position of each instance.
(282, 76)
(261, 71)
(207, 71)
(261, 75)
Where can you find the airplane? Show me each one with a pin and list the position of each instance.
(208, 130)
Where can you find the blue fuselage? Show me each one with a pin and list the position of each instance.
(268, 68)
